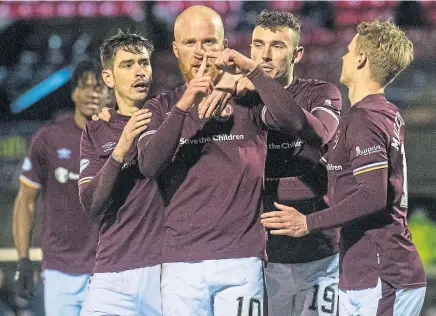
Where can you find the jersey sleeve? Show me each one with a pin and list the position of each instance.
(366, 145)
(34, 164)
(159, 142)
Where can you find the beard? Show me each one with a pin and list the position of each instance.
(187, 75)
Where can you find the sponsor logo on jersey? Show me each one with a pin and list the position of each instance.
(331, 167)
(64, 153)
(84, 163)
(27, 165)
(63, 175)
(109, 146)
(367, 151)
(286, 145)
(215, 138)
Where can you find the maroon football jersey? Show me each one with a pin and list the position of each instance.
(69, 236)
(367, 191)
(299, 156)
(129, 207)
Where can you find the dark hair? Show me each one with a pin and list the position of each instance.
(275, 20)
(84, 68)
(130, 42)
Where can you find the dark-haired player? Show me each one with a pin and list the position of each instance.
(126, 279)
(301, 273)
(381, 271)
(51, 168)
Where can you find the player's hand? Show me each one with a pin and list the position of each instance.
(197, 88)
(213, 102)
(103, 115)
(232, 61)
(24, 279)
(135, 126)
(243, 86)
(286, 221)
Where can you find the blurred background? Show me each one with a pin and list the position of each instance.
(42, 41)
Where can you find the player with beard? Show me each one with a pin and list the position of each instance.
(69, 237)
(381, 271)
(301, 273)
(213, 171)
(126, 279)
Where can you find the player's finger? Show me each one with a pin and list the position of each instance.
(214, 105)
(141, 123)
(143, 116)
(282, 207)
(275, 225)
(202, 107)
(139, 130)
(95, 117)
(202, 66)
(271, 214)
(286, 232)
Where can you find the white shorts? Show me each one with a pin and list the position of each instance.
(381, 300)
(306, 289)
(130, 292)
(213, 288)
(63, 292)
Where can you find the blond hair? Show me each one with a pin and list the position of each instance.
(387, 48)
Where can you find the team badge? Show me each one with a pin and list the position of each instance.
(225, 114)
(64, 153)
(336, 140)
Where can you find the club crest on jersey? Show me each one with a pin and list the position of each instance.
(64, 153)
(336, 140)
(225, 114)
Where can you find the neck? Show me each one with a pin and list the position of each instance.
(129, 109)
(80, 119)
(287, 79)
(363, 88)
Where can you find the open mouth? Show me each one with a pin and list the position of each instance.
(141, 86)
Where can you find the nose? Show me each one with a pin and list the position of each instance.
(266, 53)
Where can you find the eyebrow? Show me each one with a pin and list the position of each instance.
(272, 42)
(129, 61)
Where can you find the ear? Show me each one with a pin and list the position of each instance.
(361, 60)
(175, 50)
(297, 54)
(108, 78)
(75, 95)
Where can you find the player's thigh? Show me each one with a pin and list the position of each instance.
(318, 300)
(243, 295)
(401, 301)
(363, 302)
(108, 294)
(184, 290)
(281, 288)
(64, 293)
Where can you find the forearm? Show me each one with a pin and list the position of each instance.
(157, 148)
(22, 226)
(367, 200)
(285, 113)
(95, 194)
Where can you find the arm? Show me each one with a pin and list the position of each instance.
(22, 222)
(283, 113)
(370, 172)
(97, 180)
(158, 145)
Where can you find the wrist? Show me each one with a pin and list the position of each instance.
(118, 155)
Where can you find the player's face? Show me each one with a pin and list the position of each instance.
(91, 95)
(274, 51)
(349, 63)
(130, 77)
(195, 37)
